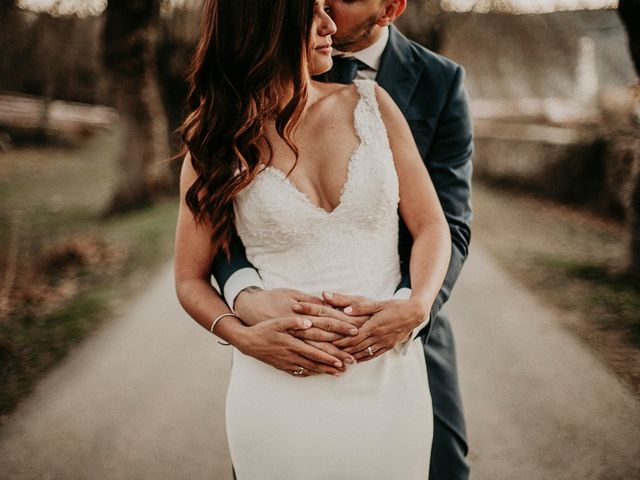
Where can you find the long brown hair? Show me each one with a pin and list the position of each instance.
(248, 51)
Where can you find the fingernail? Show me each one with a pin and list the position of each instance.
(337, 374)
(337, 364)
(348, 361)
(348, 310)
(328, 294)
(297, 308)
(306, 323)
(353, 331)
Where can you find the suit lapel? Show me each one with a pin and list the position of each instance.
(398, 74)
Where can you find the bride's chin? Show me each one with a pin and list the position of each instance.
(320, 68)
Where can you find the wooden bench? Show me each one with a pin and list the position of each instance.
(30, 115)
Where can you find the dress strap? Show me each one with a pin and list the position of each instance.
(366, 88)
(367, 117)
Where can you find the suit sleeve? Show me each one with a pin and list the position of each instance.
(234, 273)
(449, 163)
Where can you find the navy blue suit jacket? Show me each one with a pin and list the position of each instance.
(428, 89)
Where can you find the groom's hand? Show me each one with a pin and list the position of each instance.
(391, 322)
(329, 324)
(255, 306)
(327, 321)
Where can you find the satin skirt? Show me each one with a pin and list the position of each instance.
(373, 422)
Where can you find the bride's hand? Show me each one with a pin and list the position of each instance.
(271, 342)
(391, 322)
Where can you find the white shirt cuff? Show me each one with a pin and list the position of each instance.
(241, 279)
(404, 294)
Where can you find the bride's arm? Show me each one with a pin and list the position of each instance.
(269, 341)
(393, 321)
(419, 207)
(192, 251)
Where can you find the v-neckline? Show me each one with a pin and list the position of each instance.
(354, 153)
(287, 181)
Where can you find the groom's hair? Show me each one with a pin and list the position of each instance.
(248, 51)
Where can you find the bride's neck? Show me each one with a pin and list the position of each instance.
(285, 92)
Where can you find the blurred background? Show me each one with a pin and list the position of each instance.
(92, 91)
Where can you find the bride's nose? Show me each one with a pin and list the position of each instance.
(326, 26)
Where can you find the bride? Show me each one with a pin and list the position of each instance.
(311, 176)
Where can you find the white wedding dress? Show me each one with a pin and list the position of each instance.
(375, 422)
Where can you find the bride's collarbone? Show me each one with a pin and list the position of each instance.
(322, 155)
(318, 140)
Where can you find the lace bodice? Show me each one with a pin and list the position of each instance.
(354, 248)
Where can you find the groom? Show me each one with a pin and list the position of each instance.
(428, 89)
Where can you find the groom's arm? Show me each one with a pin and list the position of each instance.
(243, 288)
(234, 273)
(448, 160)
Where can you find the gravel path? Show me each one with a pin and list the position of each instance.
(143, 397)
(539, 405)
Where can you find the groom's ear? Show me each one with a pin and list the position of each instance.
(392, 10)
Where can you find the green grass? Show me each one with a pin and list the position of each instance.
(574, 261)
(611, 298)
(50, 194)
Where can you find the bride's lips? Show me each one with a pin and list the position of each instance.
(325, 48)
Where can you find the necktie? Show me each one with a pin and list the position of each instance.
(344, 69)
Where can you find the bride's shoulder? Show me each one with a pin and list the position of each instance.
(347, 94)
(337, 92)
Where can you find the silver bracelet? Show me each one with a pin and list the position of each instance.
(215, 322)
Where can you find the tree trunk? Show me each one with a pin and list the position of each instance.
(7, 5)
(130, 39)
(633, 214)
(8, 33)
(629, 11)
